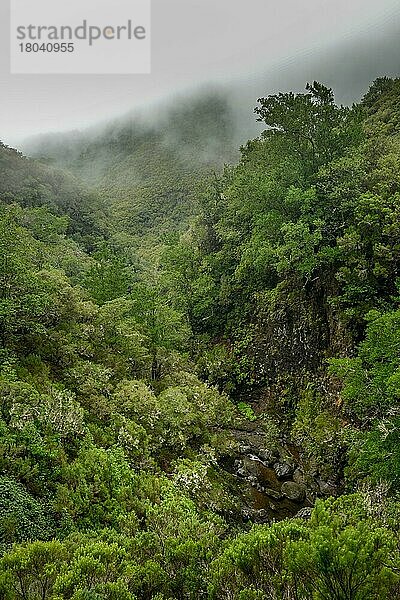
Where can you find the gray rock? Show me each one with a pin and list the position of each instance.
(294, 491)
(326, 488)
(304, 513)
(283, 470)
(260, 516)
(257, 516)
(273, 494)
(266, 455)
(298, 476)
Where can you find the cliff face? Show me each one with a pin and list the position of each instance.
(301, 261)
(295, 334)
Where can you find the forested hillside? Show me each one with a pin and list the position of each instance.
(200, 364)
(150, 171)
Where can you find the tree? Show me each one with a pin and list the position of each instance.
(29, 572)
(316, 129)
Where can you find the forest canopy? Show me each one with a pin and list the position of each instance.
(200, 365)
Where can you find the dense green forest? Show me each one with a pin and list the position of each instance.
(199, 363)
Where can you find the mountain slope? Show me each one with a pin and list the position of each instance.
(149, 170)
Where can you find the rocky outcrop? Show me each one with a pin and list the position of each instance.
(274, 485)
(294, 491)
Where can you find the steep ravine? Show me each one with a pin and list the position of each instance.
(273, 483)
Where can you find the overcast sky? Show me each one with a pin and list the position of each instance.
(254, 46)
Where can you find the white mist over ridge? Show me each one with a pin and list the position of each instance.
(350, 79)
(251, 50)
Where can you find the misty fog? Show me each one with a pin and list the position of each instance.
(241, 53)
